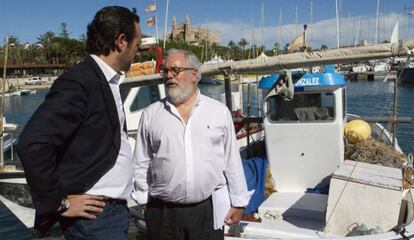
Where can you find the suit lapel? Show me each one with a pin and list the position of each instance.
(107, 94)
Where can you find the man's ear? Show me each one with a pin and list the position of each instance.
(194, 72)
(121, 42)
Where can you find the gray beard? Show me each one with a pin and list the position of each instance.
(178, 95)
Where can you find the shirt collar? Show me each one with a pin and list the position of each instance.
(110, 74)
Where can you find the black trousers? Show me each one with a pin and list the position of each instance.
(169, 221)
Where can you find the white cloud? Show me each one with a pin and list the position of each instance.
(321, 32)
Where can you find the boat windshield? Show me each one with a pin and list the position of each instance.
(305, 107)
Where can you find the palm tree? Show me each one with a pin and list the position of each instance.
(45, 40)
(232, 46)
(242, 44)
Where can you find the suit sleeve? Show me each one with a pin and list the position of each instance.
(44, 138)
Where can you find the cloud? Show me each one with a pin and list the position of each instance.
(321, 32)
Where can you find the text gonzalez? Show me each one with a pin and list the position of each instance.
(312, 81)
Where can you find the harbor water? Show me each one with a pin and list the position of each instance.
(364, 98)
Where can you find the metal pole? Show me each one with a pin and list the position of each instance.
(227, 89)
(165, 26)
(376, 23)
(248, 114)
(156, 22)
(337, 24)
(2, 100)
(11, 147)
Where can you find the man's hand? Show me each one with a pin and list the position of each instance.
(234, 215)
(82, 205)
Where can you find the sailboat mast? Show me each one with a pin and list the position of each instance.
(358, 33)
(253, 43)
(296, 21)
(337, 23)
(310, 23)
(376, 23)
(2, 100)
(262, 26)
(165, 25)
(280, 29)
(156, 22)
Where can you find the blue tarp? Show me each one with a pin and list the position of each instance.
(255, 172)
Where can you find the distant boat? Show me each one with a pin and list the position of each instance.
(361, 68)
(27, 92)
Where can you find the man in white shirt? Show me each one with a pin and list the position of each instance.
(187, 158)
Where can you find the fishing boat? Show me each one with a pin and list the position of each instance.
(312, 150)
(318, 192)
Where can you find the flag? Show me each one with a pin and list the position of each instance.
(151, 21)
(151, 8)
(297, 43)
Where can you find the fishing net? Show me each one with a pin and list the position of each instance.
(375, 152)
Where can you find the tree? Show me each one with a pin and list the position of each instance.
(324, 47)
(63, 31)
(232, 46)
(242, 44)
(276, 49)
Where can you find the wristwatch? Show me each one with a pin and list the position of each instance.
(64, 205)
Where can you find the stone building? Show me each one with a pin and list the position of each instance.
(193, 35)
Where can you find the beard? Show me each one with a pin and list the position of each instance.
(178, 94)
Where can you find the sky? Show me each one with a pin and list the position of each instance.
(234, 19)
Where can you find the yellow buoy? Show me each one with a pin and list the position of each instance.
(356, 131)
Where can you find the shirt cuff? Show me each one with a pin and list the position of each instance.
(140, 197)
(241, 200)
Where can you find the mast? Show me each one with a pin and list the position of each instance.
(156, 22)
(376, 23)
(2, 101)
(310, 23)
(296, 21)
(358, 33)
(253, 43)
(349, 30)
(165, 26)
(262, 26)
(337, 23)
(280, 29)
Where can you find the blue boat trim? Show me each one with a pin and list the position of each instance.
(315, 80)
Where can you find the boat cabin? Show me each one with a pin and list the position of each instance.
(304, 135)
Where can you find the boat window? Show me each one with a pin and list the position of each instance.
(145, 96)
(305, 107)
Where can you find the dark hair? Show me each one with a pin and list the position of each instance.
(106, 26)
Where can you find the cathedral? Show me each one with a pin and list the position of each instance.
(193, 35)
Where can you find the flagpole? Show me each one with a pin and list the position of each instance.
(165, 25)
(156, 21)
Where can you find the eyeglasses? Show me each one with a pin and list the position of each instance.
(174, 70)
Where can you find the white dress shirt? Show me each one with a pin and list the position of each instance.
(118, 181)
(184, 163)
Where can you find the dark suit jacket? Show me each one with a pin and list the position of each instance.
(71, 140)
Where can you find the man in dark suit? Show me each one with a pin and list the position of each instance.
(74, 149)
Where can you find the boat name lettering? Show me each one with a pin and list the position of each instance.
(312, 81)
